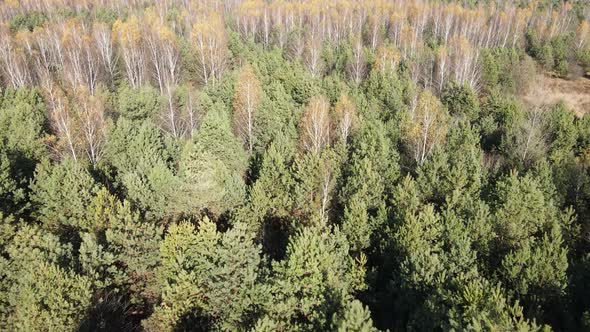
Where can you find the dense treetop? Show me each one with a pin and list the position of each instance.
(292, 166)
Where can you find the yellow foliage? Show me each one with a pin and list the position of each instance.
(387, 58)
(128, 32)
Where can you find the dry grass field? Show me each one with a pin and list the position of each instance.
(574, 92)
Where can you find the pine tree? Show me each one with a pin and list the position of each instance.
(304, 299)
(61, 195)
(201, 270)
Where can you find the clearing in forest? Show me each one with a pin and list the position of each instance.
(573, 91)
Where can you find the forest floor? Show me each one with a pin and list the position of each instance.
(574, 91)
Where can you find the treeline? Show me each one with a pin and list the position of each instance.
(285, 166)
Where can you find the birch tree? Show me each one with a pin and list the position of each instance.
(92, 124)
(246, 101)
(209, 40)
(315, 125)
(426, 127)
(345, 113)
(129, 38)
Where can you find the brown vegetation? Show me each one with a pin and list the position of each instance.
(575, 93)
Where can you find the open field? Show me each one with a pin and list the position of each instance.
(574, 92)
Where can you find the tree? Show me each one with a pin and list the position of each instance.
(120, 257)
(215, 136)
(93, 124)
(81, 66)
(484, 306)
(537, 271)
(201, 270)
(12, 193)
(355, 317)
(426, 127)
(387, 59)
(368, 177)
(137, 104)
(246, 102)
(460, 100)
(357, 63)
(346, 118)
(63, 122)
(271, 194)
(129, 142)
(209, 39)
(526, 142)
(49, 298)
(23, 128)
(150, 187)
(312, 54)
(307, 299)
(165, 60)
(40, 290)
(103, 40)
(454, 173)
(15, 68)
(134, 245)
(316, 176)
(61, 195)
(207, 183)
(518, 218)
(562, 133)
(212, 168)
(314, 127)
(129, 39)
(276, 118)
(387, 89)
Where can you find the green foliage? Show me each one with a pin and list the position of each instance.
(39, 290)
(483, 307)
(499, 114)
(130, 143)
(315, 177)
(508, 70)
(368, 176)
(212, 168)
(537, 271)
(563, 133)
(271, 195)
(49, 299)
(561, 49)
(208, 278)
(150, 188)
(521, 211)
(386, 88)
(27, 21)
(22, 127)
(137, 104)
(207, 183)
(276, 116)
(553, 54)
(412, 217)
(304, 298)
(215, 136)
(583, 57)
(134, 245)
(460, 100)
(12, 193)
(61, 195)
(455, 170)
(139, 156)
(355, 317)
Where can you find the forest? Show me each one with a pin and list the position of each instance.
(304, 165)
